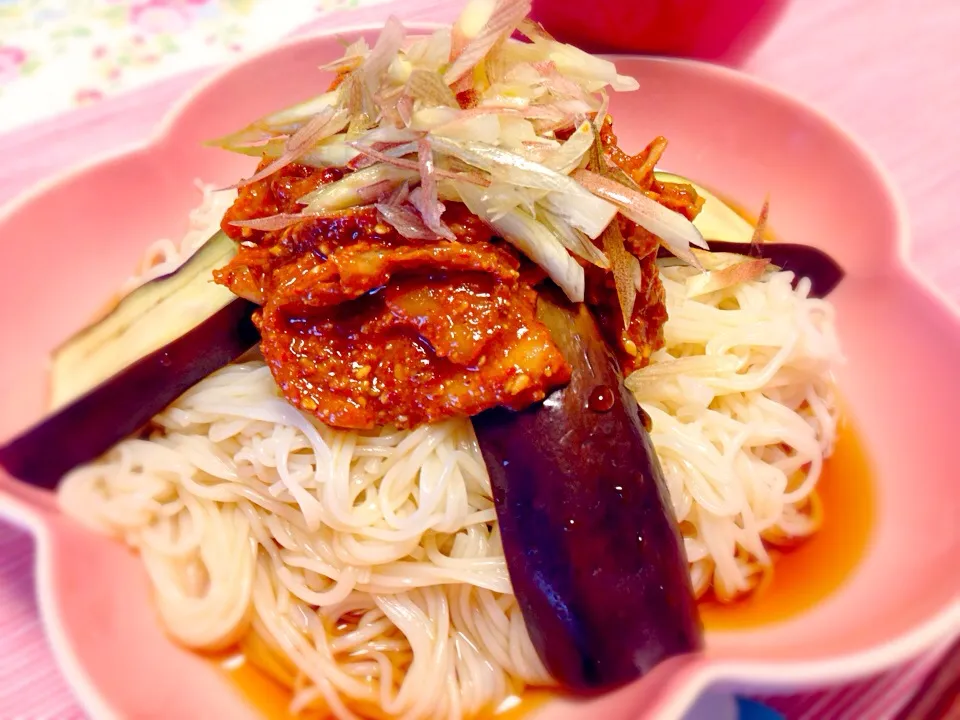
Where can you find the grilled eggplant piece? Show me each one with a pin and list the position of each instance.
(594, 553)
(142, 322)
(726, 231)
(716, 219)
(804, 261)
(112, 377)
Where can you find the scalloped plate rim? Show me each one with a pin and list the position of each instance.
(702, 672)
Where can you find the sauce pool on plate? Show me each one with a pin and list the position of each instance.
(808, 573)
(271, 699)
(802, 576)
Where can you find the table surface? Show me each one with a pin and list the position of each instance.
(71, 75)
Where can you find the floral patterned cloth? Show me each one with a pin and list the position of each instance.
(58, 54)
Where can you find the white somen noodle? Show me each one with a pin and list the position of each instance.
(744, 413)
(365, 568)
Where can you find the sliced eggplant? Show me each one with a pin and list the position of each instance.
(142, 322)
(727, 231)
(804, 261)
(115, 375)
(592, 546)
(124, 403)
(716, 219)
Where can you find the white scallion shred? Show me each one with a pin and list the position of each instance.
(509, 122)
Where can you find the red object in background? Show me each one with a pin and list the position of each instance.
(725, 31)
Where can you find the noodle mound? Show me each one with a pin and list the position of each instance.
(368, 563)
(364, 568)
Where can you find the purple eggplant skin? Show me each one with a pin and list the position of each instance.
(594, 553)
(123, 404)
(806, 261)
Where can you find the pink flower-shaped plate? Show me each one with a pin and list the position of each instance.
(69, 243)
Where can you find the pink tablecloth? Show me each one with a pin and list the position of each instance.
(887, 70)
